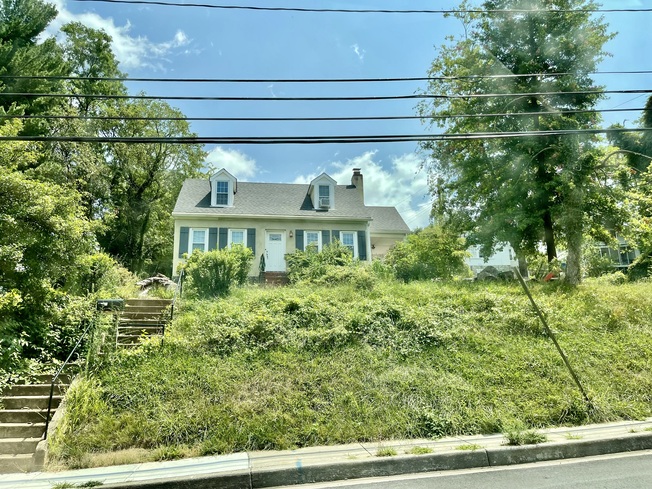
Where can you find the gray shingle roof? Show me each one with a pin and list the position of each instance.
(269, 199)
(287, 200)
(387, 219)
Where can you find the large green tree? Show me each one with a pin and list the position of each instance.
(22, 22)
(521, 190)
(145, 180)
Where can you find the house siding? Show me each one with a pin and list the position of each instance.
(257, 228)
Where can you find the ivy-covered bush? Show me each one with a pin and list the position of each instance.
(429, 253)
(313, 265)
(212, 273)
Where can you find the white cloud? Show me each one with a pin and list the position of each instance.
(358, 51)
(131, 51)
(400, 184)
(236, 163)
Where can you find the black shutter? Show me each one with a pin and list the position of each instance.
(335, 236)
(325, 237)
(362, 245)
(183, 241)
(251, 239)
(298, 244)
(223, 238)
(212, 238)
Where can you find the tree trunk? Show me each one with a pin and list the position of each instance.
(522, 266)
(549, 236)
(574, 227)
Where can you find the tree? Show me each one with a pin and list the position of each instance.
(42, 236)
(432, 252)
(22, 22)
(521, 190)
(636, 180)
(145, 180)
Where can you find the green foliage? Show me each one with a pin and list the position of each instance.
(419, 451)
(313, 264)
(595, 264)
(386, 452)
(518, 435)
(213, 273)
(43, 235)
(278, 368)
(429, 253)
(519, 190)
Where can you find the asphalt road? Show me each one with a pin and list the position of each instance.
(621, 471)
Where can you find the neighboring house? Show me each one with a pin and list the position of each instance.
(274, 219)
(504, 259)
(622, 255)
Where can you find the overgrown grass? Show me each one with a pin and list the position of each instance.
(279, 368)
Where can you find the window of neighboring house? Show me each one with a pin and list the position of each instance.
(627, 255)
(313, 238)
(237, 236)
(347, 238)
(221, 193)
(198, 240)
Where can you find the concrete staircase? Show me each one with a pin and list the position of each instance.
(141, 318)
(22, 421)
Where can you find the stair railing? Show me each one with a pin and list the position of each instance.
(178, 291)
(91, 323)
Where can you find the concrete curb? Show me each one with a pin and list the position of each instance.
(398, 465)
(376, 467)
(573, 449)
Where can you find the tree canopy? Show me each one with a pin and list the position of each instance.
(521, 72)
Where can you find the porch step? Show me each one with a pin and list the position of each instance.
(10, 464)
(276, 278)
(161, 303)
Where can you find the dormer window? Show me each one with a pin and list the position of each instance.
(222, 193)
(322, 193)
(223, 187)
(324, 196)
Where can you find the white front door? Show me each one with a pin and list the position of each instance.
(275, 251)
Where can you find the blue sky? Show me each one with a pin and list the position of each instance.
(156, 41)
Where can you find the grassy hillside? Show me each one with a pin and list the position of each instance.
(278, 368)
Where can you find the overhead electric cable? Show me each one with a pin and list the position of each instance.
(313, 80)
(370, 11)
(307, 119)
(321, 139)
(322, 99)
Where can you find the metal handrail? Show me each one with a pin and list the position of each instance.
(178, 291)
(56, 375)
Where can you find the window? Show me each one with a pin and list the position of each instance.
(313, 238)
(221, 193)
(324, 196)
(198, 240)
(237, 236)
(347, 238)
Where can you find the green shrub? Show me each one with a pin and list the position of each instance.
(212, 273)
(430, 253)
(312, 264)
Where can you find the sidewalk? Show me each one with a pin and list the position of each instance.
(275, 468)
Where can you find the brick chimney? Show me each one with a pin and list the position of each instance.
(356, 181)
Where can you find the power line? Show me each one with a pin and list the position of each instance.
(389, 138)
(321, 119)
(312, 80)
(320, 99)
(371, 11)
